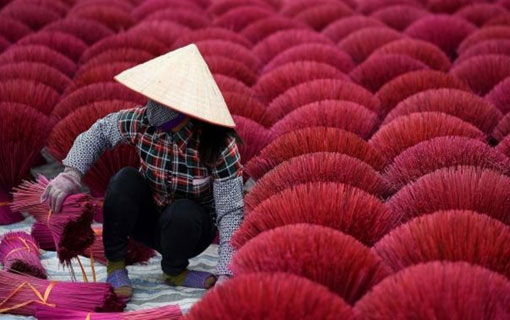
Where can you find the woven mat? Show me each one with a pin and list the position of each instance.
(149, 290)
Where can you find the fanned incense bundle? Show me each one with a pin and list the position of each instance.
(136, 252)
(321, 254)
(21, 294)
(270, 296)
(70, 228)
(23, 133)
(19, 253)
(438, 290)
(167, 312)
(451, 235)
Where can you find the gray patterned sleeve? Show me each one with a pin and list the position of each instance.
(104, 134)
(228, 198)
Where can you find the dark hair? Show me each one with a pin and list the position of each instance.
(213, 140)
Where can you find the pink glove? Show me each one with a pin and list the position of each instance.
(66, 183)
(222, 279)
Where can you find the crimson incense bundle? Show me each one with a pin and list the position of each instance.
(20, 294)
(424, 51)
(445, 31)
(377, 70)
(458, 103)
(167, 312)
(406, 131)
(317, 167)
(451, 235)
(321, 254)
(20, 253)
(70, 228)
(23, 133)
(411, 83)
(438, 290)
(484, 72)
(270, 296)
(360, 44)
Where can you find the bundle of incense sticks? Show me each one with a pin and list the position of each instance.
(167, 312)
(20, 253)
(20, 294)
(7, 215)
(136, 253)
(98, 215)
(69, 228)
(42, 236)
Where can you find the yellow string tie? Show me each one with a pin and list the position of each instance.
(48, 290)
(25, 242)
(92, 266)
(84, 275)
(89, 316)
(5, 204)
(49, 216)
(44, 300)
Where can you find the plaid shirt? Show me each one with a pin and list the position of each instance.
(171, 162)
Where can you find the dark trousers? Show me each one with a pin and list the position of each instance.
(181, 231)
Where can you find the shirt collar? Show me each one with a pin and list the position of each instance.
(182, 136)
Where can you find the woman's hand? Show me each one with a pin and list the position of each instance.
(66, 183)
(222, 278)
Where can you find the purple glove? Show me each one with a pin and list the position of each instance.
(66, 183)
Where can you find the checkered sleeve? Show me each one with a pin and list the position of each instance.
(88, 146)
(229, 164)
(229, 203)
(131, 122)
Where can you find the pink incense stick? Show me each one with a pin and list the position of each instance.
(69, 228)
(20, 294)
(19, 253)
(166, 312)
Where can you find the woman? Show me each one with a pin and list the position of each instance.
(189, 180)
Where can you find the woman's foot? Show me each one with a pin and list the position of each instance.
(119, 280)
(191, 279)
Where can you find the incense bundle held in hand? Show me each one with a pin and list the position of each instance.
(19, 253)
(21, 294)
(166, 312)
(69, 228)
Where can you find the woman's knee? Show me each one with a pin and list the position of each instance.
(126, 175)
(182, 212)
(126, 183)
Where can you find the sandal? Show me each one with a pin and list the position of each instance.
(196, 279)
(121, 284)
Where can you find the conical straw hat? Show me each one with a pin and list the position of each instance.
(182, 81)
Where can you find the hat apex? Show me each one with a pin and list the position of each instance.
(180, 80)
